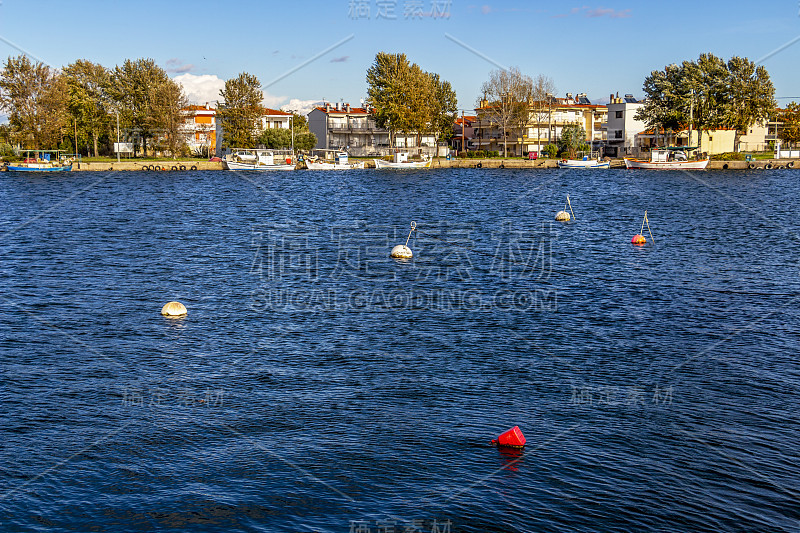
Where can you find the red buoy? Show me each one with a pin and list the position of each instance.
(512, 438)
(638, 239)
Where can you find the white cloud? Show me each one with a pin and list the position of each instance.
(302, 107)
(201, 89)
(204, 88)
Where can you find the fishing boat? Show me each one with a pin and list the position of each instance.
(42, 161)
(670, 158)
(588, 161)
(256, 159)
(400, 161)
(332, 160)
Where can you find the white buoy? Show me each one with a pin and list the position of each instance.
(562, 216)
(173, 309)
(402, 251)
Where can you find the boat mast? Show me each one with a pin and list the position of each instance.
(691, 119)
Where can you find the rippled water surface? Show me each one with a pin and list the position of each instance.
(319, 385)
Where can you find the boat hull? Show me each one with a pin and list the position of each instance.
(16, 168)
(583, 164)
(333, 166)
(380, 163)
(668, 165)
(233, 165)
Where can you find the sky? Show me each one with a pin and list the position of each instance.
(307, 51)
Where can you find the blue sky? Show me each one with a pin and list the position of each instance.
(593, 47)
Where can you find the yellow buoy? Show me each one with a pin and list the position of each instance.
(402, 252)
(173, 309)
(562, 216)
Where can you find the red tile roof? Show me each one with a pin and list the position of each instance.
(343, 111)
(268, 111)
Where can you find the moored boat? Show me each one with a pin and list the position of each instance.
(673, 158)
(255, 159)
(592, 161)
(42, 161)
(400, 161)
(339, 161)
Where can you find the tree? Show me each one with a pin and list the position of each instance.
(443, 108)
(276, 138)
(750, 96)
(388, 81)
(305, 141)
(240, 111)
(147, 99)
(89, 102)
(573, 136)
(707, 94)
(506, 96)
(542, 92)
(34, 97)
(791, 123)
(168, 104)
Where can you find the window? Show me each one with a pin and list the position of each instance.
(618, 134)
(619, 114)
(710, 138)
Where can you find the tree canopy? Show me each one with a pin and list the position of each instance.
(707, 94)
(240, 111)
(34, 96)
(791, 123)
(409, 100)
(89, 101)
(506, 97)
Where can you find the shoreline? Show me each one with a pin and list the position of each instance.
(186, 166)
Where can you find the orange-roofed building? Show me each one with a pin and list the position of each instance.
(199, 128)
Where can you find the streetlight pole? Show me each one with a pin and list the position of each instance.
(118, 137)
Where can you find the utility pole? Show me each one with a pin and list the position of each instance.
(691, 118)
(463, 125)
(118, 137)
(76, 137)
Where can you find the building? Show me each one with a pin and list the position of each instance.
(622, 127)
(269, 119)
(353, 129)
(719, 141)
(199, 129)
(544, 125)
(464, 133)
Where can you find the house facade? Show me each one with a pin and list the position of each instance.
(622, 127)
(269, 119)
(544, 125)
(712, 142)
(199, 128)
(353, 129)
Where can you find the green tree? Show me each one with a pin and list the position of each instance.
(750, 96)
(707, 94)
(443, 108)
(89, 101)
(388, 82)
(573, 136)
(791, 123)
(305, 141)
(34, 97)
(506, 96)
(240, 111)
(276, 138)
(148, 100)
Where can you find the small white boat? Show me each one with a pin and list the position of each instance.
(667, 159)
(400, 161)
(340, 161)
(255, 159)
(587, 162)
(42, 161)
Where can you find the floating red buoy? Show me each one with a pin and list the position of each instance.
(638, 239)
(512, 438)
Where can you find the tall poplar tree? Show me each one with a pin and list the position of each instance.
(240, 111)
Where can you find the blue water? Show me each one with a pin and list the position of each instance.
(317, 385)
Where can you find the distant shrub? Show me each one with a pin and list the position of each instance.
(551, 150)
